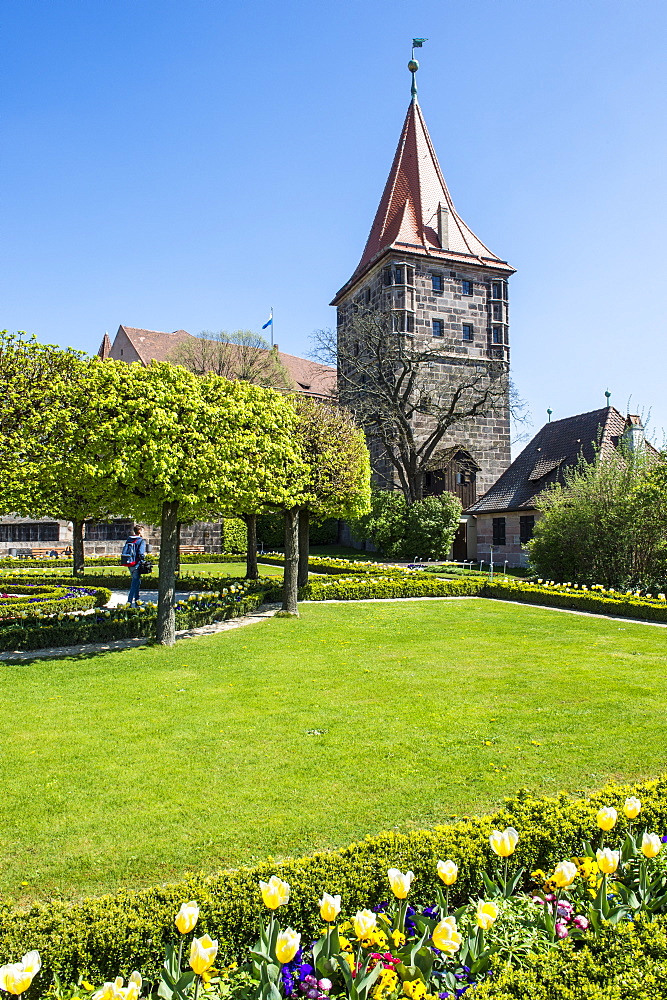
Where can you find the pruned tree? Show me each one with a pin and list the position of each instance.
(242, 355)
(407, 394)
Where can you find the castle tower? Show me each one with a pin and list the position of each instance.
(442, 287)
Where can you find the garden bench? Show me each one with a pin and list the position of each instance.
(43, 553)
(190, 550)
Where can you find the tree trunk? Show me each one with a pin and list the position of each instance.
(304, 546)
(166, 619)
(290, 582)
(252, 572)
(78, 560)
(178, 547)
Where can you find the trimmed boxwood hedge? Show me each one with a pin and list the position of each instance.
(597, 602)
(355, 589)
(31, 601)
(350, 567)
(114, 934)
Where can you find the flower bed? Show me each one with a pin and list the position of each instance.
(18, 599)
(351, 567)
(358, 589)
(596, 600)
(98, 938)
(28, 632)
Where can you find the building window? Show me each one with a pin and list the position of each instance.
(526, 527)
(497, 335)
(496, 289)
(437, 283)
(468, 332)
(398, 276)
(409, 322)
(367, 296)
(49, 532)
(467, 287)
(497, 311)
(498, 530)
(386, 276)
(404, 322)
(507, 336)
(438, 328)
(100, 531)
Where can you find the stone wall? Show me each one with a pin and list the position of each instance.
(513, 550)
(486, 438)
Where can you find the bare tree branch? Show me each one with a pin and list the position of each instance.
(241, 355)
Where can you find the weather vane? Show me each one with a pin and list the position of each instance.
(413, 65)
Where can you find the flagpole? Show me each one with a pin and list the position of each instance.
(271, 326)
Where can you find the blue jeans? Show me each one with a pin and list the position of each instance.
(135, 575)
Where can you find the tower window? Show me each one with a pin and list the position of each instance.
(496, 289)
(498, 530)
(438, 328)
(367, 296)
(404, 322)
(497, 335)
(507, 336)
(387, 276)
(467, 287)
(497, 311)
(398, 276)
(526, 528)
(468, 331)
(437, 283)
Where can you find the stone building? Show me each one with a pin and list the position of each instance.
(426, 269)
(505, 516)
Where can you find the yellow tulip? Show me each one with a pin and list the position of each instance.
(17, 976)
(448, 872)
(651, 845)
(607, 860)
(364, 921)
(202, 954)
(275, 892)
(503, 843)
(329, 907)
(133, 988)
(632, 807)
(400, 884)
(487, 913)
(606, 818)
(565, 873)
(187, 917)
(446, 937)
(110, 991)
(287, 945)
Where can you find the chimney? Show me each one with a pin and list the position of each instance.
(443, 226)
(633, 435)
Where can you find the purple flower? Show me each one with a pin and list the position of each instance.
(288, 981)
(565, 909)
(431, 911)
(325, 984)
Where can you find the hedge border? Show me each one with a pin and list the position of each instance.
(98, 938)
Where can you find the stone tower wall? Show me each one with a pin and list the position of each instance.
(483, 305)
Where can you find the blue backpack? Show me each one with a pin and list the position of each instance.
(130, 553)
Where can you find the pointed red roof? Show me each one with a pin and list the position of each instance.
(414, 196)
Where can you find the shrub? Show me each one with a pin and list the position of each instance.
(351, 567)
(423, 530)
(602, 602)
(234, 535)
(30, 601)
(100, 938)
(356, 589)
(27, 632)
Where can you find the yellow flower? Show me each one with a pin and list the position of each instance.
(202, 954)
(564, 874)
(415, 989)
(133, 988)
(344, 943)
(607, 860)
(503, 844)
(287, 945)
(187, 917)
(275, 892)
(400, 884)
(651, 845)
(606, 818)
(329, 907)
(487, 913)
(398, 939)
(446, 937)
(364, 922)
(17, 976)
(448, 872)
(632, 807)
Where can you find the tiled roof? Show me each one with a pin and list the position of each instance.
(308, 377)
(553, 449)
(407, 217)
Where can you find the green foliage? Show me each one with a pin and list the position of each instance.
(606, 524)
(31, 601)
(345, 567)
(424, 529)
(110, 935)
(596, 602)
(234, 536)
(356, 589)
(271, 531)
(28, 631)
(622, 962)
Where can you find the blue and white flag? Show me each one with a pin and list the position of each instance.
(269, 321)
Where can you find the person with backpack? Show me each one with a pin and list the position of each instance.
(132, 556)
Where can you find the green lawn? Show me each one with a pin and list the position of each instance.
(134, 767)
(190, 569)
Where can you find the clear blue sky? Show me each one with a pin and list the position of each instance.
(189, 164)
